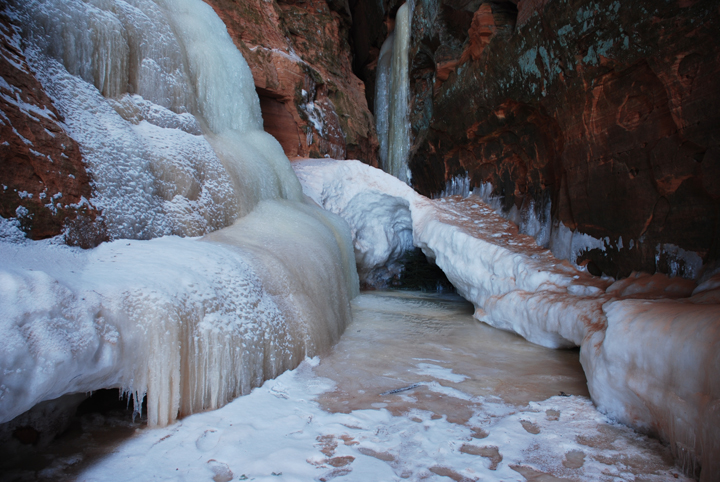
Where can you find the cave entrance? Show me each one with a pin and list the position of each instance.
(421, 274)
(279, 122)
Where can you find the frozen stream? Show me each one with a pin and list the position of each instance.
(485, 406)
(399, 339)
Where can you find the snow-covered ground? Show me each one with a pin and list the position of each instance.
(345, 415)
(650, 344)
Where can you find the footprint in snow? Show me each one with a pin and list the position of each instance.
(208, 440)
(530, 427)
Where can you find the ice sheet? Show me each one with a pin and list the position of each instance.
(280, 432)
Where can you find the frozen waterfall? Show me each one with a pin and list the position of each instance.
(164, 108)
(392, 98)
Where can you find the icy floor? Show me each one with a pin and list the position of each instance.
(475, 407)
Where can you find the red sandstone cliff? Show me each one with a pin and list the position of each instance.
(609, 110)
(301, 61)
(44, 186)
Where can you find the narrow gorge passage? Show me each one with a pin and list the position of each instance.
(402, 339)
(484, 405)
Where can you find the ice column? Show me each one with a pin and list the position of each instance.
(393, 102)
(228, 104)
(382, 98)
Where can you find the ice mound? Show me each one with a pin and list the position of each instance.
(190, 323)
(379, 218)
(650, 351)
(165, 111)
(514, 284)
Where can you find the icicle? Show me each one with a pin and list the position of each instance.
(398, 121)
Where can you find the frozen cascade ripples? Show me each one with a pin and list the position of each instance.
(165, 111)
(667, 386)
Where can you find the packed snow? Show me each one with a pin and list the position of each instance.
(666, 387)
(164, 108)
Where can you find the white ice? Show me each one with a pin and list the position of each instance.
(279, 433)
(563, 242)
(329, 420)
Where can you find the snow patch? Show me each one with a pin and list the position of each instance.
(263, 435)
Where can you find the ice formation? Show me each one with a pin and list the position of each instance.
(392, 97)
(564, 243)
(380, 221)
(278, 431)
(650, 352)
(165, 111)
(464, 238)
(382, 98)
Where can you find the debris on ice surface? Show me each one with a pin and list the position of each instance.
(649, 362)
(279, 432)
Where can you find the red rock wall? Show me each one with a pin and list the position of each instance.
(610, 110)
(301, 60)
(44, 182)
